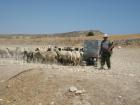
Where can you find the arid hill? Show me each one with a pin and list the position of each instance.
(75, 38)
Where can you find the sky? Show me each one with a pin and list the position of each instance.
(58, 16)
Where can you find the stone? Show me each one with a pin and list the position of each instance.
(1, 99)
(80, 91)
(120, 96)
(119, 47)
(72, 89)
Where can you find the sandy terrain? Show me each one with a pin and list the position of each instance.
(40, 84)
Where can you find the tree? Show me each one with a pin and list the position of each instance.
(90, 34)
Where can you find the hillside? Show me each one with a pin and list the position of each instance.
(78, 33)
(66, 34)
(75, 38)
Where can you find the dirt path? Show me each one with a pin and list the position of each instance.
(49, 84)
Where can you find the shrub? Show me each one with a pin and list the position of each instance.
(90, 34)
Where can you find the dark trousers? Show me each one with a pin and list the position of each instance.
(105, 58)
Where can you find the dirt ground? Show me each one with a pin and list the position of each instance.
(40, 84)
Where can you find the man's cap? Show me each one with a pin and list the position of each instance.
(105, 36)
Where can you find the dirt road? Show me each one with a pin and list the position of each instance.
(39, 84)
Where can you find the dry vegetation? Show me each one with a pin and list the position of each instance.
(60, 40)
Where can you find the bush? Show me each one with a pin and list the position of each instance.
(90, 34)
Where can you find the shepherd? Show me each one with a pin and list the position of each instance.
(106, 52)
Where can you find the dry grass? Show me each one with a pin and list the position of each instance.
(124, 37)
(56, 40)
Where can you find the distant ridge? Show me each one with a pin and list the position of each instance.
(78, 33)
(66, 34)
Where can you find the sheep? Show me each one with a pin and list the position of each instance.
(76, 57)
(51, 57)
(28, 56)
(3, 53)
(64, 57)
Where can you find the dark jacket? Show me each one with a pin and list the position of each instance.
(106, 47)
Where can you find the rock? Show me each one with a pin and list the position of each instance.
(72, 89)
(120, 96)
(80, 91)
(1, 99)
(119, 47)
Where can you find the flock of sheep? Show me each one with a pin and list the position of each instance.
(46, 55)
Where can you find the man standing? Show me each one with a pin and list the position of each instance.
(105, 52)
